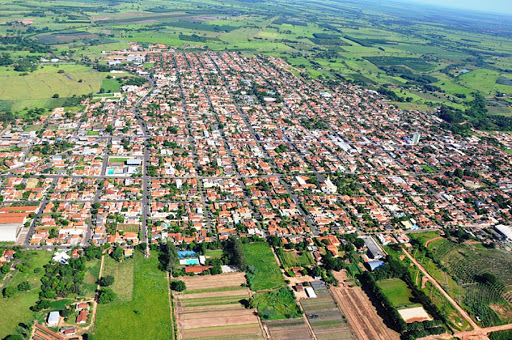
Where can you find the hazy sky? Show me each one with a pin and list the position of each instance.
(496, 6)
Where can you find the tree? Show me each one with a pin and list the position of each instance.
(65, 312)
(109, 128)
(117, 254)
(106, 295)
(107, 281)
(56, 95)
(234, 252)
(10, 292)
(178, 285)
(24, 286)
(171, 257)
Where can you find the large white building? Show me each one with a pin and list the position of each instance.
(504, 230)
(9, 232)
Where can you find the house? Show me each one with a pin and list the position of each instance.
(68, 331)
(81, 306)
(82, 316)
(196, 269)
(53, 319)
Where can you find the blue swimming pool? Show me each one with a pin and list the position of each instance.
(110, 171)
(191, 261)
(186, 253)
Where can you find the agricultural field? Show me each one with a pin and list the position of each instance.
(142, 299)
(325, 317)
(17, 309)
(361, 313)
(275, 305)
(289, 329)
(477, 277)
(264, 272)
(331, 39)
(212, 308)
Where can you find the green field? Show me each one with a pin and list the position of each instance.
(266, 273)
(17, 309)
(293, 259)
(275, 305)
(371, 44)
(397, 292)
(110, 85)
(142, 300)
(36, 89)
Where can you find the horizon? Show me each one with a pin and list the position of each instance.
(490, 7)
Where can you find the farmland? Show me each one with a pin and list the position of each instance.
(211, 307)
(361, 314)
(38, 88)
(294, 259)
(325, 317)
(474, 276)
(342, 41)
(142, 299)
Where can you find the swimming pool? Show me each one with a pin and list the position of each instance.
(110, 171)
(186, 253)
(189, 261)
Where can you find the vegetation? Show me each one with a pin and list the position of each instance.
(141, 300)
(274, 305)
(262, 269)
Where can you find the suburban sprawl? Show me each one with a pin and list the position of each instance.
(241, 171)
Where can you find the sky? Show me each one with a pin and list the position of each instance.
(495, 6)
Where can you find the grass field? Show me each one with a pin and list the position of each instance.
(17, 309)
(397, 292)
(110, 85)
(45, 82)
(266, 273)
(142, 300)
(293, 259)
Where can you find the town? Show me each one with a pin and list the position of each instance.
(199, 153)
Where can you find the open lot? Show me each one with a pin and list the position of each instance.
(142, 300)
(266, 273)
(212, 308)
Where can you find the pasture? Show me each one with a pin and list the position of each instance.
(397, 292)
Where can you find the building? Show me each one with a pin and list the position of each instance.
(375, 252)
(372, 265)
(53, 319)
(416, 138)
(12, 220)
(504, 230)
(310, 292)
(82, 316)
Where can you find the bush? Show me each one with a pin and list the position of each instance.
(24, 286)
(178, 285)
(107, 281)
(65, 312)
(106, 295)
(10, 292)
